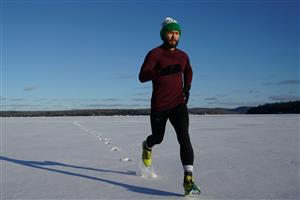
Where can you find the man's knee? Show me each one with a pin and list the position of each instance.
(153, 140)
(158, 140)
(184, 139)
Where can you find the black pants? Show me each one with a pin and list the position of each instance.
(179, 119)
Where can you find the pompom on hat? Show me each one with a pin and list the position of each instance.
(169, 24)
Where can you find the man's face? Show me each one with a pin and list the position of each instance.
(172, 38)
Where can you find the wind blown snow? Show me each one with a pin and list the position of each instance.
(236, 157)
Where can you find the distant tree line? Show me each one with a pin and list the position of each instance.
(276, 108)
(112, 112)
(93, 112)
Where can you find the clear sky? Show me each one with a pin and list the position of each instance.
(87, 54)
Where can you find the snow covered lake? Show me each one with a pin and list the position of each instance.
(236, 157)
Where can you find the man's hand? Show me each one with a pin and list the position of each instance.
(186, 92)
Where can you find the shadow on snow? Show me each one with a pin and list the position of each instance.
(133, 188)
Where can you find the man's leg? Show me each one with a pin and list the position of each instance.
(158, 126)
(179, 118)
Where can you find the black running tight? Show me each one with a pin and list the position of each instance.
(179, 119)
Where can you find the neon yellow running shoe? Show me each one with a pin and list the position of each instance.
(147, 155)
(190, 188)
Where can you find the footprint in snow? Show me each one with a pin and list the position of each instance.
(126, 159)
(107, 143)
(114, 149)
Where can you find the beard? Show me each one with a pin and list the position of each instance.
(171, 43)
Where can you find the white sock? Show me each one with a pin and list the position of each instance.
(188, 168)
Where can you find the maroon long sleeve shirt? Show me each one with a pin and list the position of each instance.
(169, 72)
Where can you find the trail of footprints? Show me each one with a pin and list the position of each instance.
(103, 140)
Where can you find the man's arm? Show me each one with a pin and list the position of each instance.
(188, 76)
(148, 71)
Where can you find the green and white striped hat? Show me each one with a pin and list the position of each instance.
(169, 24)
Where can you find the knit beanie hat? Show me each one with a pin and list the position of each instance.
(169, 24)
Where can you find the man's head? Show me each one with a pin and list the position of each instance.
(170, 32)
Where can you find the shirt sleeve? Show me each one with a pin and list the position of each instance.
(148, 71)
(188, 74)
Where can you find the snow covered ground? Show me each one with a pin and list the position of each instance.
(236, 157)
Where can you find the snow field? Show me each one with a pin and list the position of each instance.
(236, 157)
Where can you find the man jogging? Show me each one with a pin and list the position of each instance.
(170, 71)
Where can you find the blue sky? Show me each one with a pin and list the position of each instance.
(87, 54)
